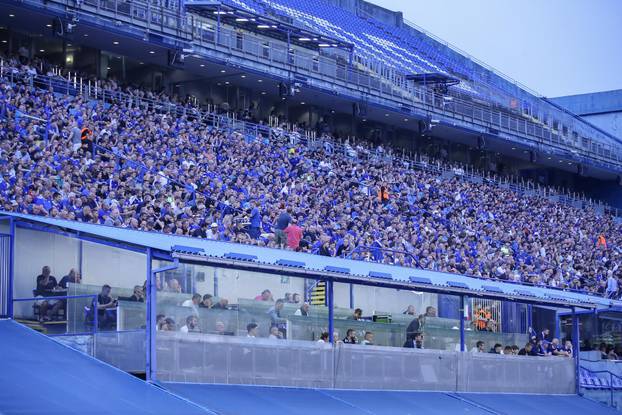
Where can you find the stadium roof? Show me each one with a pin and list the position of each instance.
(592, 103)
(233, 255)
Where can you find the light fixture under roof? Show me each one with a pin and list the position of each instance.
(202, 65)
(243, 76)
(11, 15)
(116, 42)
(241, 19)
(151, 52)
(304, 39)
(263, 92)
(260, 80)
(48, 25)
(222, 71)
(41, 50)
(263, 26)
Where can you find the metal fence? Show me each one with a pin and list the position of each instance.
(239, 360)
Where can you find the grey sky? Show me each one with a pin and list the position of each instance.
(555, 47)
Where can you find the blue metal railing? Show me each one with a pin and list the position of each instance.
(610, 386)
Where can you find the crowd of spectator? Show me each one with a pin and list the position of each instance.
(152, 171)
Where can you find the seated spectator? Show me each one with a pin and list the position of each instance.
(430, 312)
(368, 339)
(192, 325)
(275, 333)
(350, 337)
(265, 295)
(296, 298)
(568, 348)
(168, 324)
(222, 304)
(515, 349)
(479, 347)
(159, 321)
(279, 226)
(288, 297)
(414, 341)
(193, 303)
(303, 310)
(106, 306)
(219, 328)
(207, 301)
(138, 294)
(72, 277)
(46, 285)
(251, 330)
(497, 349)
(410, 310)
(527, 350)
(323, 337)
(507, 350)
(542, 348)
(275, 311)
(358, 313)
(173, 286)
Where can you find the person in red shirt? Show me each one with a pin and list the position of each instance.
(294, 235)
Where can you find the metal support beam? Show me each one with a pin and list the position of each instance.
(351, 295)
(331, 316)
(462, 311)
(575, 346)
(9, 294)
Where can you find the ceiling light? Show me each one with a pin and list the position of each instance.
(141, 63)
(304, 39)
(69, 44)
(243, 76)
(263, 26)
(222, 71)
(86, 35)
(302, 103)
(108, 67)
(260, 80)
(241, 19)
(115, 42)
(41, 50)
(220, 12)
(263, 92)
(324, 45)
(4, 41)
(386, 115)
(202, 65)
(405, 119)
(152, 52)
(226, 82)
(48, 25)
(11, 15)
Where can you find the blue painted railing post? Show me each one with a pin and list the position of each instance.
(331, 320)
(150, 358)
(9, 294)
(462, 311)
(575, 346)
(351, 295)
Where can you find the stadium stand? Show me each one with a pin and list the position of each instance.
(420, 219)
(221, 198)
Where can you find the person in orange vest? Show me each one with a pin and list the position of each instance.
(383, 195)
(601, 242)
(86, 137)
